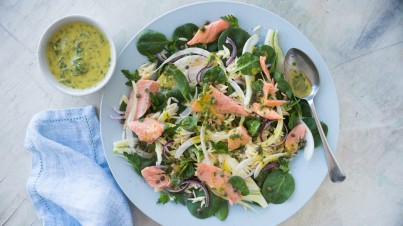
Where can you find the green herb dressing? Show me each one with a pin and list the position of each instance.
(78, 55)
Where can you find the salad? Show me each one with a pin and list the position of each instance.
(210, 121)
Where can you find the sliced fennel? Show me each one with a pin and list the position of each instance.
(254, 190)
(249, 45)
(194, 50)
(273, 41)
(186, 145)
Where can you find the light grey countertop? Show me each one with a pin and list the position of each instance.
(361, 42)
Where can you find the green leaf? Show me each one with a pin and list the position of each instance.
(189, 123)
(164, 198)
(156, 103)
(122, 106)
(180, 80)
(220, 147)
(197, 152)
(232, 20)
(178, 198)
(239, 183)
(170, 131)
(293, 120)
(131, 76)
(187, 168)
(253, 126)
(310, 122)
(164, 94)
(284, 164)
(238, 35)
(184, 31)
(305, 109)
(204, 212)
(283, 85)
(269, 53)
(278, 187)
(222, 213)
(257, 85)
(248, 64)
(151, 42)
(212, 46)
(138, 162)
(214, 75)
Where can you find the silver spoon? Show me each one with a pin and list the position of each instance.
(297, 60)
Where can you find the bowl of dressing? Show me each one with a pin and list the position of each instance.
(76, 55)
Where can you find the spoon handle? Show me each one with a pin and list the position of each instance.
(335, 172)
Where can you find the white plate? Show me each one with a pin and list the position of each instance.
(308, 175)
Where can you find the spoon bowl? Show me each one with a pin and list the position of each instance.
(304, 79)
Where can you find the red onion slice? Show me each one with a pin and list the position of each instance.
(117, 111)
(268, 122)
(117, 117)
(180, 189)
(285, 136)
(164, 148)
(159, 57)
(269, 166)
(198, 76)
(233, 53)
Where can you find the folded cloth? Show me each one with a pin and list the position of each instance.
(70, 182)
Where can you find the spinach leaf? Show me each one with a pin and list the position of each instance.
(180, 80)
(310, 122)
(239, 183)
(214, 75)
(204, 212)
(212, 46)
(269, 53)
(189, 123)
(248, 64)
(293, 120)
(138, 162)
(283, 85)
(164, 94)
(131, 76)
(164, 198)
(238, 35)
(278, 187)
(222, 213)
(220, 147)
(253, 126)
(184, 31)
(151, 42)
(305, 109)
(230, 89)
(261, 178)
(122, 106)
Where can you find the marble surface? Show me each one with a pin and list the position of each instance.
(361, 41)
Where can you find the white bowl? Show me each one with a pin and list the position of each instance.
(42, 58)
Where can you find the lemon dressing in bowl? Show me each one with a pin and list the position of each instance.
(78, 55)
